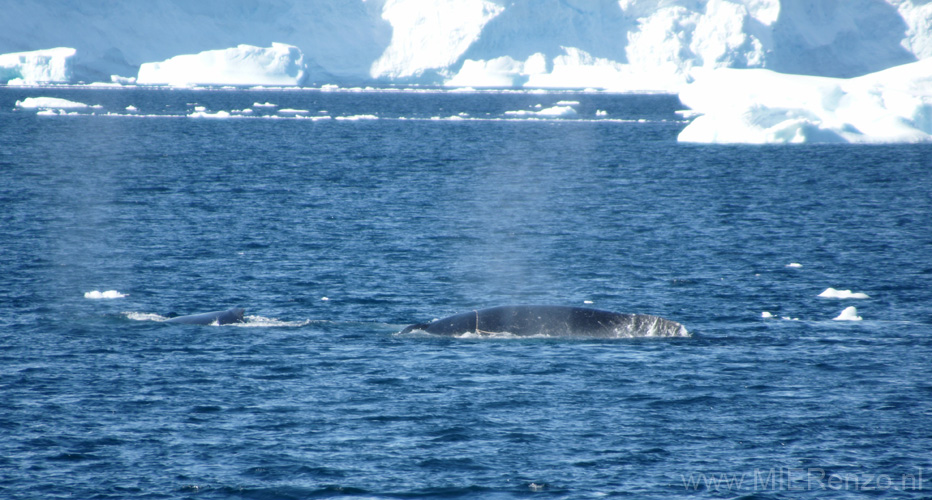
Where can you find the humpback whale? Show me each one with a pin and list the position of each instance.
(552, 321)
(234, 315)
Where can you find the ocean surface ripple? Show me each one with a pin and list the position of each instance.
(334, 234)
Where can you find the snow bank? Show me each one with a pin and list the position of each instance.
(38, 66)
(278, 65)
(761, 106)
(49, 103)
(831, 293)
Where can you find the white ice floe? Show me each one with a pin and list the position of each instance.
(109, 294)
(552, 112)
(849, 313)
(278, 65)
(831, 293)
(759, 106)
(794, 264)
(766, 314)
(49, 103)
(357, 117)
(201, 113)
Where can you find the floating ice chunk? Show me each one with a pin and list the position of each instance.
(601, 112)
(568, 103)
(831, 293)
(794, 264)
(766, 314)
(587, 302)
(132, 109)
(200, 113)
(849, 313)
(358, 117)
(263, 105)
(49, 103)
(109, 294)
(290, 111)
(558, 111)
(553, 112)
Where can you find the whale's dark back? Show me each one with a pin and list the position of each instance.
(234, 315)
(552, 321)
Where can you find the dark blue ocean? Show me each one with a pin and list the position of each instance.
(336, 217)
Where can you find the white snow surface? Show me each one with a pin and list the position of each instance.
(760, 106)
(37, 66)
(278, 65)
(607, 44)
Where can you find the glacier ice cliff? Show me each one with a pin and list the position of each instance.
(613, 44)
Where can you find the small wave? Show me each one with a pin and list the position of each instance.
(109, 294)
(250, 320)
(138, 316)
(263, 322)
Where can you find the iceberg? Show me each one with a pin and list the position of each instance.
(278, 65)
(38, 66)
(758, 106)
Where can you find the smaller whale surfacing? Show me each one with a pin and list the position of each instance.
(551, 321)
